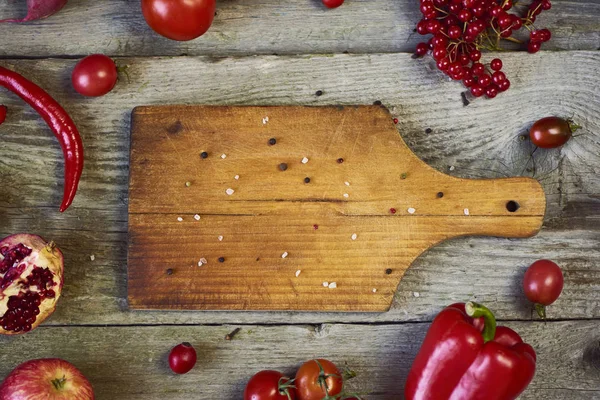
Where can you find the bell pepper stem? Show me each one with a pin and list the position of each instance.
(475, 310)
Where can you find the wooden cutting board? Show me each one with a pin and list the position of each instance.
(273, 241)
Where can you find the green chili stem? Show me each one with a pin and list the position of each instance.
(475, 310)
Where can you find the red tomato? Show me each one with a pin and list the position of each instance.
(94, 75)
(318, 379)
(179, 19)
(182, 358)
(543, 282)
(333, 3)
(269, 385)
(551, 132)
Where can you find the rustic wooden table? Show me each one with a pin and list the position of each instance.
(270, 52)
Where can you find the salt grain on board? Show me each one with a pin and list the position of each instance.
(284, 255)
(236, 177)
(325, 284)
(179, 219)
(220, 238)
(345, 195)
(298, 273)
(223, 156)
(304, 160)
(416, 294)
(92, 257)
(347, 183)
(354, 236)
(374, 290)
(202, 262)
(332, 285)
(411, 210)
(466, 210)
(265, 120)
(197, 217)
(230, 191)
(451, 168)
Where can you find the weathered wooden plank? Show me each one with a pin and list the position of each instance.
(130, 362)
(116, 27)
(474, 141)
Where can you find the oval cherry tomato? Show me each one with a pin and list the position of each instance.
(269, 385)
(179, 19)
(94, 75)
(543, 282)
(332, 3)
(318, 379)
(551, 132)
(182, 358)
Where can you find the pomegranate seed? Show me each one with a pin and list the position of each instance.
(393, 210)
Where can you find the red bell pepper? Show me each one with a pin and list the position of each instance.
(466, 357)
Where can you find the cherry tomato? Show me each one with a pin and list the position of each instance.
(94, 75)
(269, 385)
(332, 3)
(182, 358)
(318, 379)
(543, 282)
(551, 132)
(179, 19)
(3, 111)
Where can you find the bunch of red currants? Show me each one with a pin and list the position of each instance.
(460, 28)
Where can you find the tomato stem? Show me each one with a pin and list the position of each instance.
(541, 310)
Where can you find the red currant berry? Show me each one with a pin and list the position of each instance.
(427, 7)
(532, 18)
(468, 81)
(440, 3)
(479, 10)
(504, 85)
(439, 40)
(439, 52)
(477, 91)
(463, 59)
(469, 3)
(478, 69)
(484, 80)
(421, 49)
(496, 64)
(498, 77)
(433, 26)
(458, 76)
(546, 5)
(469, 38)
(533, 47)
(517, 23)
(534, 36)
(422, 27)
(506, 33)
(505, 21)
(451, 20)
(457, 2)
(454, 32)
(443, 64)
(507, 5)
(475, 55)
(491, 92)
(454, 8)
(454, 68)
(544, 35)
(464, 15)
(496, 11)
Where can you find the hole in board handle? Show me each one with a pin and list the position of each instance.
(512, 206)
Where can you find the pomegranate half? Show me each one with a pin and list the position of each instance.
(31, 279)
(46, 378)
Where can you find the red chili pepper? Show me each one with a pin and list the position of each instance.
(2, 113)
(58, 120)
(465, 357)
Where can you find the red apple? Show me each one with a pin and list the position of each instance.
(46, 378)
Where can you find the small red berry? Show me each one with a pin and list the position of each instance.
(451, 20)
(433, 26)
(506, 33)
(443, 64)
(454, 32)
(544, 35)
(477, 68)
(479, 10)
(484, 80)
(533, 47)
(496, 11)
(182, 358)
(507, 5)
(498, 77)
(439, 52)
(546, 5)
(421, 49)
(535, 36)
(491, 92)
(393, 210)
(517, 23)
(475, 55)
(439, 40)
(315, 227)
(464, 15)
(422, 27)
(463, 59)
(505, 21)
(468, 81)
(469, 3)
(454, 8)
(504, 85)
(332, 3)
(427, 7)
(496, 64)
(395, 120)
(477, 91)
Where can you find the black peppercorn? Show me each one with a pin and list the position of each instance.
(221, 259)
(170, 271)
(204, 154)
(428, 130)
(283, 166)
(440, 195)
(307, 180)
(272, 141)
(340, 160)
(377, 103)
(319, 93)
(388, 271)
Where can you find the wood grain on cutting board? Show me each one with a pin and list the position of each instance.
(371, 207)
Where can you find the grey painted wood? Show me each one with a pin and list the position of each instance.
(480, 140)
(130, 362)
(116, 27)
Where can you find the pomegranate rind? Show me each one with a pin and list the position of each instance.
(46, 255)
(34, 377)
